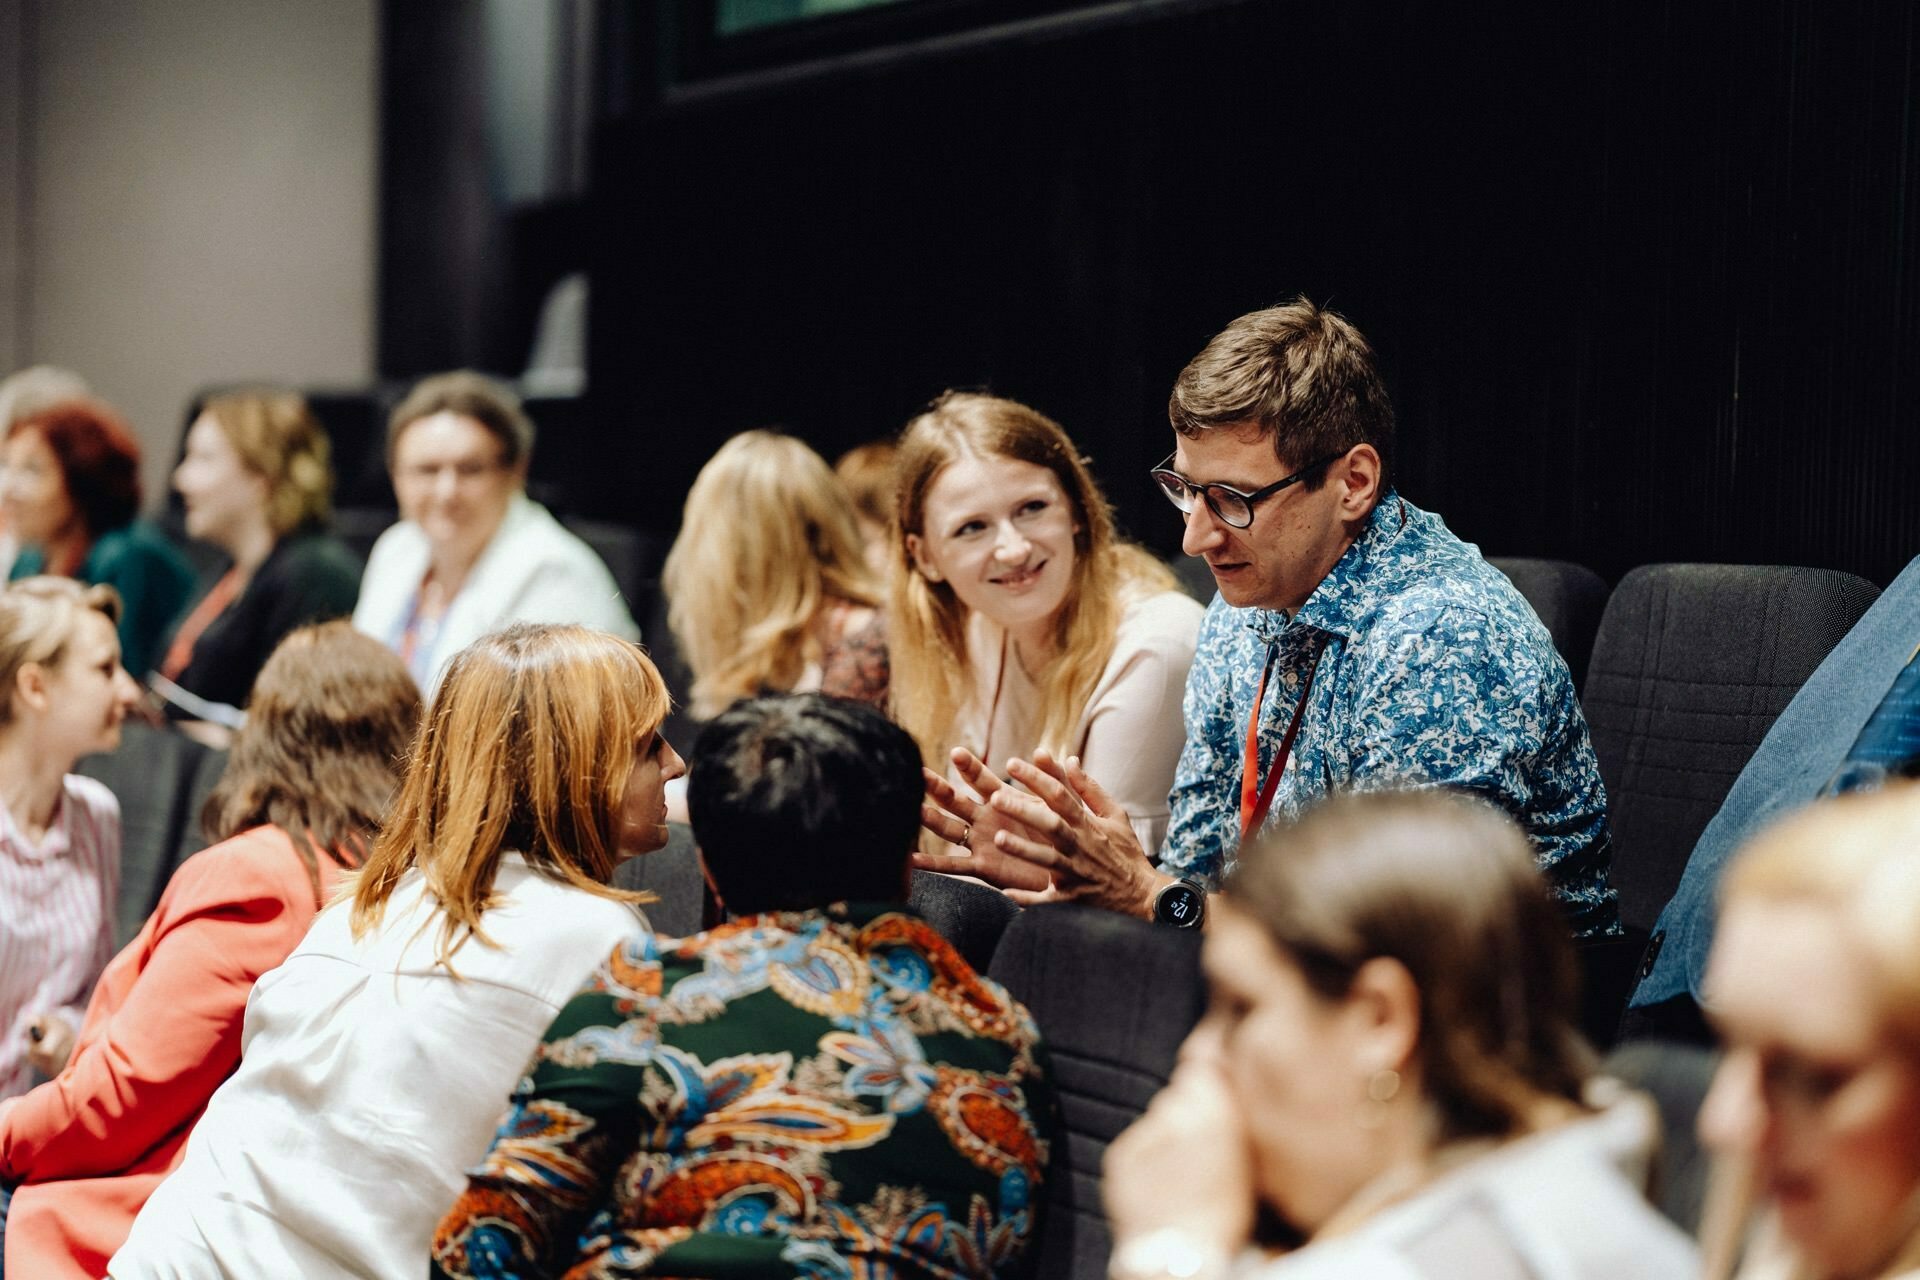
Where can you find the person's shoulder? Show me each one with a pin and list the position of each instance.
(136, 548)
(92, 797)
(1162, 613)
(260, 861)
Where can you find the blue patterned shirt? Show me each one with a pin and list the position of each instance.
(1435, 672)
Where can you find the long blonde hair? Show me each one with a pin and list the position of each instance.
(767, 542)
(1857, 856)
(526, 748)
(926, 623)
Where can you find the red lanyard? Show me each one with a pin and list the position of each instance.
(1257, 797)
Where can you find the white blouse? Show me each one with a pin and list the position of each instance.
(370, 1080)
(1566, 1204)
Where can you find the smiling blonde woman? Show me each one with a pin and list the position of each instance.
(1018, 620)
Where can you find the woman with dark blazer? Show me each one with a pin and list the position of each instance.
(258, 485)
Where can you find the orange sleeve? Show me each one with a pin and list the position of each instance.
(230, 914)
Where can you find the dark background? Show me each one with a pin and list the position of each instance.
(1643, 277)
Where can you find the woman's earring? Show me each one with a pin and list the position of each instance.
(1382, 1086)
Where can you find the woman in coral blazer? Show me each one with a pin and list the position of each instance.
(310, 778)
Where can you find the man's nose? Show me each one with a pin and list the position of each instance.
(1203, 532)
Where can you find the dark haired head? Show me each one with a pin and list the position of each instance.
(99, 460)
(801, 800)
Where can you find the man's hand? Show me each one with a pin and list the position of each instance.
(959, 819)
(49, 1044)
(1078, 834)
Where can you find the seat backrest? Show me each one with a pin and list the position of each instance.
(1677, 1077)
(1691, 666)
(672, 872)
(152, 775)
(1114, 997)
(1569, 598)
(632, 557)
(971, 916)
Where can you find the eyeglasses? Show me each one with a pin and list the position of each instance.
(1233, 507)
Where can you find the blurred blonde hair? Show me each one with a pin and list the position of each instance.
(526, 748)
(276, 435)
(767, 542)
(37, 620)
(1857, 856)
(867, 471)
(926, 623)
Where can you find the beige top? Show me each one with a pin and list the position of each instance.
(1129, 736)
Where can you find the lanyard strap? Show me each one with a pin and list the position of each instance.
(1256, 797)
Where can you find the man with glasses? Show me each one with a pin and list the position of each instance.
(1355, 644)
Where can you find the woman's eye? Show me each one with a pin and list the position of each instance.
(1034, 507)
(968, 529)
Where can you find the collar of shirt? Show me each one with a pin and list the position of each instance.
(53, 844)
(1341, 603)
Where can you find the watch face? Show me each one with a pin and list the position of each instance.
(1180, 905)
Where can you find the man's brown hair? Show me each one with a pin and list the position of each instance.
(1301, 373)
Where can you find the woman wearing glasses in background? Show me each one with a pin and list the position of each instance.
(1019, 621)
(472, 552)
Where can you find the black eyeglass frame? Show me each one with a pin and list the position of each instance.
(1163, 473)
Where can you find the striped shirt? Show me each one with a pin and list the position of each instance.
(56, 917)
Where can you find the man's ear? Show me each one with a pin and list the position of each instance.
(1359, 472)
(916, 551)
(1385, 1001)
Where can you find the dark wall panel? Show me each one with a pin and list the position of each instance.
(1643, 277)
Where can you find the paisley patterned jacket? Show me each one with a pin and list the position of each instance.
(810, 1094)
(1432, 670)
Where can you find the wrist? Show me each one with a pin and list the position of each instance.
(1147, 889)
(1168, 1253)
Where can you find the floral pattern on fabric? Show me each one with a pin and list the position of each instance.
(1433, 671)
(816, 1094)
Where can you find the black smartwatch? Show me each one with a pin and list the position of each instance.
(1182, 904)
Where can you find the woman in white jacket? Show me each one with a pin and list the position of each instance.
(378, 1059)
(472, 552)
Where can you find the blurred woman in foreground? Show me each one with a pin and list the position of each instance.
(378, 1058)
(310, 779)
(1814, 985)
(1388, 1068)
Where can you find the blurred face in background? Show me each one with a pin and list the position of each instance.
(451, 479)
(33, 490)
(1813, 1093)
(223, 495)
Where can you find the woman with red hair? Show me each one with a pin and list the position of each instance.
(70, 491)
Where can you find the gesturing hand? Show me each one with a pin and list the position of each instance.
(1078, 834)
(972, 824)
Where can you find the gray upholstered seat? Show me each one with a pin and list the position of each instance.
(1692, 664)
(1569, 599)
(1114, 998)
